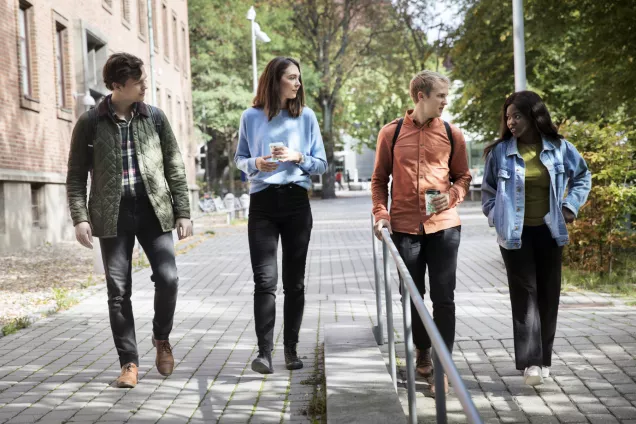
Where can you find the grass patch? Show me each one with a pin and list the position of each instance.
(620, 284)
(317, 408)
(239, 221)
(16, 325)
(631, 303)
(63, 299)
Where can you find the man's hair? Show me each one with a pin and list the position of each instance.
(120, 67)
(424, 82)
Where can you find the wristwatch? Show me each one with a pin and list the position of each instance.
(302, 159)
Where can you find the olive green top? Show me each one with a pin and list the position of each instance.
(537, 185)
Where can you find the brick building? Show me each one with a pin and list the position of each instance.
(53, 52)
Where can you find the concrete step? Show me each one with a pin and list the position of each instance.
(359, 387)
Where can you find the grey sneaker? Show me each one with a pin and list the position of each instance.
(263, 362)
(291, 358)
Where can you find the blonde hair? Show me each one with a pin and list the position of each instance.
(425, 81)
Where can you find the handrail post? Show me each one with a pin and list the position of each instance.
(408, 352)
(440, 392)
(377, 330)
(389, 313)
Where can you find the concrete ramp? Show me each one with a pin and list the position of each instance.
(359, 387)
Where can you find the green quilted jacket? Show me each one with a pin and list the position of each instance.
(160, 163)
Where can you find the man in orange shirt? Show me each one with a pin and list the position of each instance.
(422, 153)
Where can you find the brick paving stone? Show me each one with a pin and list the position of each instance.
(63, 367)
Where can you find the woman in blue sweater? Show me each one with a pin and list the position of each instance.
(279, 147)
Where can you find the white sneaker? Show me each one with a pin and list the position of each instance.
(532, 376)
(545, 372)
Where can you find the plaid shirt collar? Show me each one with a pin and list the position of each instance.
(111, 109)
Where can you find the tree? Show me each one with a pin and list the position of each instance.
(578, 57)
(221, 62)
(337, 38)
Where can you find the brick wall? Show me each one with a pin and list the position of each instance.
(34, 133)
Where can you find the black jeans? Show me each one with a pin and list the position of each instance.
(137, 218)
(534, 281)
(279, 211)
(438, 251)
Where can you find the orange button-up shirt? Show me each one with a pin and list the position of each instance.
(421, 162)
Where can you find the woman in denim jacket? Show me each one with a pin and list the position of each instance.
(524, 197)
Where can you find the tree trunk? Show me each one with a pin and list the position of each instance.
(231, 165)
(328, 181)
(211, 160)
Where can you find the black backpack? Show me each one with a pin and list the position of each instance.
(92, 114)
(449, 134)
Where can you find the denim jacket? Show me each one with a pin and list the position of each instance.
(503, 189)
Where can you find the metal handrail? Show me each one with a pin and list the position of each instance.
(442, 358)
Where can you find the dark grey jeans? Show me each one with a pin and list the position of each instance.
(137, 219)
(438, 252)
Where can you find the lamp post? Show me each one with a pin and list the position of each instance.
(519, 45)
(256, 33)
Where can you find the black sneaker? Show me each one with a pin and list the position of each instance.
(291, 358)
(263, 362)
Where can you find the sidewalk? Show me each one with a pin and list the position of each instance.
(61, 369)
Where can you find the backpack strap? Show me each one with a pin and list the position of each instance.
(449, 134)
(156, 118)
(92, 115)
(395, 137)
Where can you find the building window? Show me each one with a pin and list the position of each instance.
(108, 5)
(158, 91)
(184, 51)
(60, 66)
(169, 106)
(96, 57)
(155, 28)
(180, 120)
(2, 217)
(166, 31)
(25, 49)
(125, 11)
(142, 18)
(37, 205)
(175, 40)
(187, 120)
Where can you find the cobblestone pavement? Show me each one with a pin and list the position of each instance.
(62, 368)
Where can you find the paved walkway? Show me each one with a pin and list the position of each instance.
(61, 369)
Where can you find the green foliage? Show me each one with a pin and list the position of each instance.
(63, 299)
(16, 325)
(601, 239)
(579, 58)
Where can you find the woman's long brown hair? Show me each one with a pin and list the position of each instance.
(268, 93)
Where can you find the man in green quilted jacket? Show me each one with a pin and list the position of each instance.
(138, 189)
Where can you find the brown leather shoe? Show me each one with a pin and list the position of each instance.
(424, 365)
(165, 360)
(432, 390)
(128, 377)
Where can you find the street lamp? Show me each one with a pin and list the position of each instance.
(519, 45)
(256, 33)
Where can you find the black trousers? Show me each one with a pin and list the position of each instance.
(279, 212)
(137, 219)
(438, 251)
(534, 281)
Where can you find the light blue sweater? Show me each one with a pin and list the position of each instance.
(300, 134)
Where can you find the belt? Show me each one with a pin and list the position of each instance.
(279, 186)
